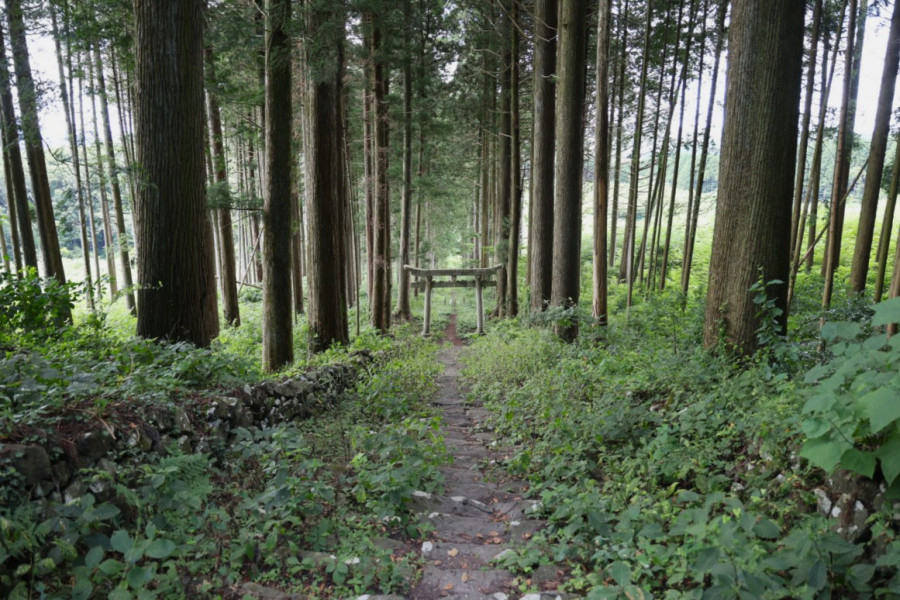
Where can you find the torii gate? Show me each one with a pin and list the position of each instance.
(480, 279)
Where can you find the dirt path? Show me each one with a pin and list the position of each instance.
(481, 516)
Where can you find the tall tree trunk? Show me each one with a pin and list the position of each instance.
(278, 340)
(692, 21)
(176, 273)
(542, 153)
(34, 149)
(223, 211)
(11, 212)
(878, 148)
(759, 145)
(807, 117)
(617, 172)
(515, 168)
(324, 177)
(108, 245)
(64, 83)
(381, 289)
(403, 311)
(601, 163)
(694, 217)
(884, 242)
(569, 161)
(12, 156)
(626, 267)
(118, 207)
(846, 122)
(504, 175)
(815, 171)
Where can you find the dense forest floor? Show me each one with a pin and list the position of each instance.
(632, 463)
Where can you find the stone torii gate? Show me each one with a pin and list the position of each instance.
(479, 279)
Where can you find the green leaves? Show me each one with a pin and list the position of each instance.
(852, 411)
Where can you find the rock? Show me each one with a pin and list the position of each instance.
(139, 439)
(182, 420)
(255, 590)
(94, 444)
(385, 543)
(62, 473)
(823, 502)
(31, 462)
(74, 490)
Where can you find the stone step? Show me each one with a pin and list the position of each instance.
(425, 503)
(451, 528)
(457, 474)
(436, 582)
(463, 555)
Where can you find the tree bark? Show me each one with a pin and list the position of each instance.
(13, 156)
(569, 162)
(118, 208)
(108, 245)
(542, 153)
(860, 267)
(515, 168)
(884, 241)
(381, 288)
(403, 311)
(752, 231)
(796, 226)
(223, 213)
(34, 149)
(324, 178)
(601, 163)
(176, 273)
(278, 340)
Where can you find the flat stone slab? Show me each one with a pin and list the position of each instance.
(451, 505)
(455, 474)
(463, 581)
(451, 555)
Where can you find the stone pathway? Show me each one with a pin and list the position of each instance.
(479, 518)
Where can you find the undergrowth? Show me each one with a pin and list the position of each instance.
(317, 507)
(669, 471)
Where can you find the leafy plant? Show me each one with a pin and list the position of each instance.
(851, 418)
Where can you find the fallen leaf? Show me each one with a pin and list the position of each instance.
(438, 563)
(465, 577)
(494, 533)
(448, 587)
(453, 552)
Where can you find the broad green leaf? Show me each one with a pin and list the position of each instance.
(160, 549)
(620, 572)
(889, 454)
(120, 595)
(859, 462)
(111, 567)
(823, 452)
(138, 577)
(93, 557)
(106, 511)
(887, 312)
(719, 592)
(882, 407)
(860, 575)
(685, 496)
(817, 576)
(706, 559)
(82, 589)
(121, 541)
(766, 529)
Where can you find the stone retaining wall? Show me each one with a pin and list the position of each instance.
(50, 469)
